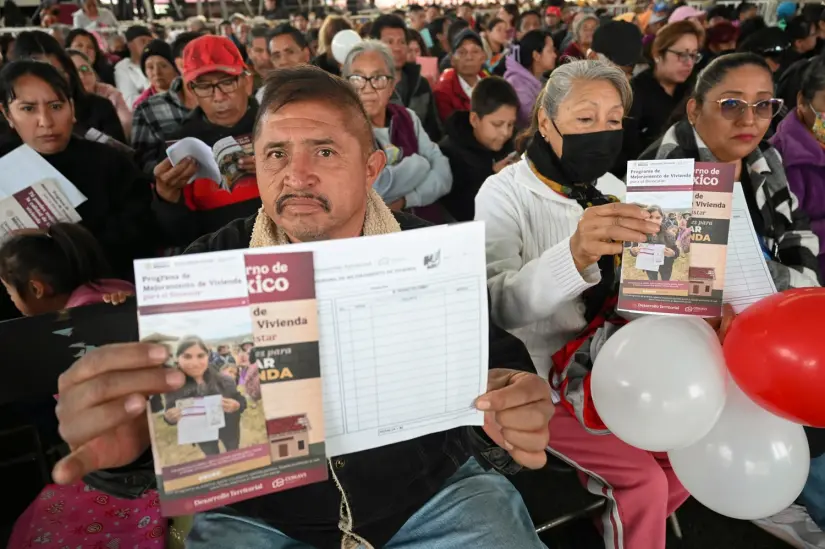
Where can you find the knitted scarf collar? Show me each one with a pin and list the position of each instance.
(379, 220)
(546, 167)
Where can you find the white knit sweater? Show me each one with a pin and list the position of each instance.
(533, 282)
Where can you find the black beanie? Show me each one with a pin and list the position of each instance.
(159, 48)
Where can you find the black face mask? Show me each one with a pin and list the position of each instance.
(588, 156)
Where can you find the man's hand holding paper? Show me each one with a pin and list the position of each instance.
(517, 408)
(171, 179)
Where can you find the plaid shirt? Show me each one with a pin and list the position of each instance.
(154, 121)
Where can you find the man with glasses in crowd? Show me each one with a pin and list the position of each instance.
(214, 71)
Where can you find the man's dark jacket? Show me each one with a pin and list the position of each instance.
(384, 486)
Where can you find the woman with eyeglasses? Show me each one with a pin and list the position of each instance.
(92, 84)
(416, 174)
(659, 90)
(86, 42)
(727, 118)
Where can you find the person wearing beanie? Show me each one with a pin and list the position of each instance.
(454, 88)
(129, 77)
(158, 66)
(620, 43)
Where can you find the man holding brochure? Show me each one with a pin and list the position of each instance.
(316, 163)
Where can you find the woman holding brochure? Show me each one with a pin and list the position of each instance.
(36, 102)
(727, 117)
(554, 243)
(192, 356)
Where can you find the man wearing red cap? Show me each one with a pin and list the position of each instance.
(214, 71)
(552, 19)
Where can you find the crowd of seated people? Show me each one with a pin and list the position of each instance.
(526, 111)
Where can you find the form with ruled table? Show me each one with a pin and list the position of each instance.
(403, 333)
(747, 276)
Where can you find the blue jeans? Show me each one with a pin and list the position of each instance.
(813, 495)
(475, 508)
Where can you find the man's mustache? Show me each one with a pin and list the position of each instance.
(280, 204)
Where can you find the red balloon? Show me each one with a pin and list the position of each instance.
(775, 351)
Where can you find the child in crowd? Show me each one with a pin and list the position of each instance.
(479, 143)
(58, 268)
(47, 271)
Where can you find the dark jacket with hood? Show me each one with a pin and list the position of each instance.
(384, 486)
(471, 164)
(204, 206)
(413, 91)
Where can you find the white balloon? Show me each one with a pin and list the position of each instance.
(751, 465)
(342, 43)
(659, 382)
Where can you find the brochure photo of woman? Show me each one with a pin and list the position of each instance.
(214, 412)
(666, 254)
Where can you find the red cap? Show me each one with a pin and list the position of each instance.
(211, 53)
(553, 10)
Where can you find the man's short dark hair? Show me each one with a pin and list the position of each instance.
(287, 29)
(283, 87)
(259, 31)
(181, 41)
(436, 26)
(387, 21)
(798, 28)
(524, 15)
(492, 93)
(415, 8)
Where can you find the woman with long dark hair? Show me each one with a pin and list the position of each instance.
(192, 356)
(36, 101)
(91, 111)
(666, 236)
(84, 41)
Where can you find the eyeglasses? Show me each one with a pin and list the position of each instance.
(378, 82)
(686, 56)
(734, 109)
(207, 89)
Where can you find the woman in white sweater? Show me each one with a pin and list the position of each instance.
(553, 248)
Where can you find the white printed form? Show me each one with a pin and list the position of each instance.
(747, 278)
(403, 333)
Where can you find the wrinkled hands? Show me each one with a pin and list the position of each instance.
(170, 180)
(602, 229)
(517, 408)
